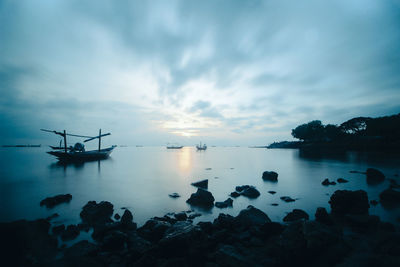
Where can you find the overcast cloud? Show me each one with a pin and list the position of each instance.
(222, 72)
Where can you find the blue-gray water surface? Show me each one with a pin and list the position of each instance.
(140, 178)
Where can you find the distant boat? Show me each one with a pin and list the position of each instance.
(77, 152)
(21, 145)
(201, 147)
(174, 146)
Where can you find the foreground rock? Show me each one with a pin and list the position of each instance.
(252, 216)
(201, 198)
(374, 176)
(270, 176)
(51, 202)
(224, 204)
(202, 184)
(295, 215)
(349, 202)
(93, 213)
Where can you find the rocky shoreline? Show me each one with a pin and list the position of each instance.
(348, 236)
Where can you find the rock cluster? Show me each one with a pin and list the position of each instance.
(246, 190)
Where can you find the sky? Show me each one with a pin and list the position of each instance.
(221, 72)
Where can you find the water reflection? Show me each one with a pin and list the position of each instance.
(185, 160)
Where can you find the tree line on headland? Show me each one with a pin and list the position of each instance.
(360, 133)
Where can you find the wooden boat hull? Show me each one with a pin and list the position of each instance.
(82, 156)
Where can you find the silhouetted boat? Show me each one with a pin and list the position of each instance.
(77, 152)
(174, 146)
(201, 147)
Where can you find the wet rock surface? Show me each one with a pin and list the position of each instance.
(295, 215)
(93, 213)
(247, 191)
(51, 202)
(224, 204)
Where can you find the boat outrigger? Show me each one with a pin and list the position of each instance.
(77, 152)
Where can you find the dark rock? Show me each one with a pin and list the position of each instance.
(327, 182)
(174, 195)
(374, 176)
(251, 216)
(270, 176)
(274, 204)
(287, 199)
(117, 216)
(83, 227)
(71, 232)
(224, 221)
(390, 196)
(93, 213)
(153, 230)
(341, 180)
(349, 202)
(50, 202)
(374, 202)
(26, 243)
(202, 184)
(362, 222)
(228, 255)
(272, 192)
(394, 184)
(208, 169)
(224, 204)
(181, 216)
(201, 198)
(206, 227)
(114, 240)
(248, 191)
(81, 249)
(296, 214)
(58, 229)
(127, 217)
(322, 216)
(137, 245)
(234, 194)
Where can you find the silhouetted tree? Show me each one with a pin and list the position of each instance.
(355, 126)
(309, 132)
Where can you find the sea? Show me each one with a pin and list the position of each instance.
(141, 179)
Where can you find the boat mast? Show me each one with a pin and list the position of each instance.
(65, 141)
(99, 138)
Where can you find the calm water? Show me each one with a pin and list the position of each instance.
(141, 178)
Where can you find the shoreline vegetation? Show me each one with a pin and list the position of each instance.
(357, 134)
(347, 236)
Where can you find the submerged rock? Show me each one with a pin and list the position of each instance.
(349, 202)
(50, 202)
(270, 176)
(287, 199)
(342, 180)
(327, 182)
(202, 184)
(248, 191)
(201, 198)
(374, 176)
(224, 204)
(174, 195)
(252, 216)
(93, 213)
(272, 192)
(296, 214)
